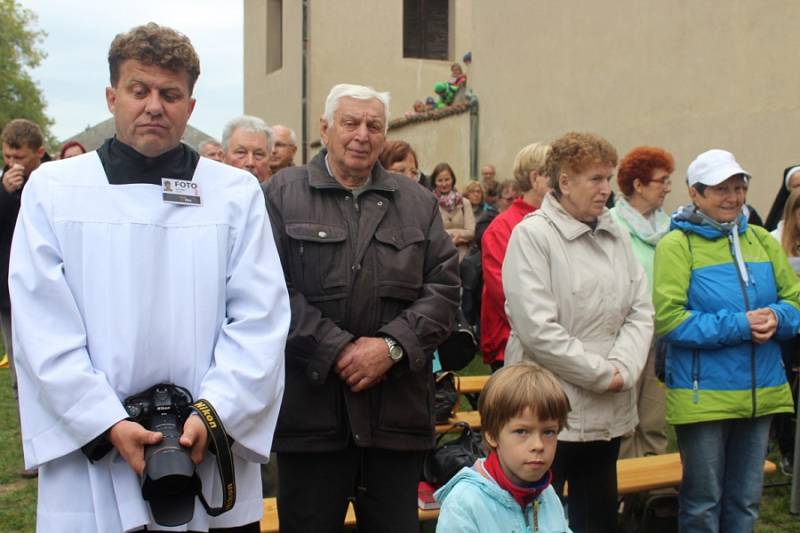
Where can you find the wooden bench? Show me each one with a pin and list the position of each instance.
(473, 418)
(633, 475)
(471, 384)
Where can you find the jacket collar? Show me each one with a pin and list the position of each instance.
(570, 227)
(320, 178)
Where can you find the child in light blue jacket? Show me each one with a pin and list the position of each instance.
(522, 410)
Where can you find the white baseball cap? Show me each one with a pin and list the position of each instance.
(713, 167)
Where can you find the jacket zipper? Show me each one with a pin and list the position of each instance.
(535, 516)
(746, 308)
(696, 376)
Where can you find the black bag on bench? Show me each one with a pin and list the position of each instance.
(445, 460)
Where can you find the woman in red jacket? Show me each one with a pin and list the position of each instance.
(534, 185)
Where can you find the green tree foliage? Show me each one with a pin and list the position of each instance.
(20, 51)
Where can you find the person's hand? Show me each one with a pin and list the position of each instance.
(195, 436)
(616, 382)
(13, 178)
(763, 324)
(363, 363)
(130, 438)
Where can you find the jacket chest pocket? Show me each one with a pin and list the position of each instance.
(400, 268)
(319, 258)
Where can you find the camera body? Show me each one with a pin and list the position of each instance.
(169, 471)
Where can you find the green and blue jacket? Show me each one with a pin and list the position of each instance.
(713, 369)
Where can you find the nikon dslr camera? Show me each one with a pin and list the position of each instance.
(167, 483)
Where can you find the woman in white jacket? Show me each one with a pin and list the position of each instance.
(579, 305)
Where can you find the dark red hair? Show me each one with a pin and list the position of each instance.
(640, 163)
(68, 145)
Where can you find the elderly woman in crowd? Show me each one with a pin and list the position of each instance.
(529, 173)
(579, 305)
(644, 180)
(724, 293)
(459, 222)
(474, 193)
(399, 157)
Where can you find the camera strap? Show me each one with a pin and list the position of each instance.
(220, 446)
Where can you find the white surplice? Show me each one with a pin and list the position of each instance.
(114, 291)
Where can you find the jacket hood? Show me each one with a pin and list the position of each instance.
(471, 476)
(689, 219)
(570, 227)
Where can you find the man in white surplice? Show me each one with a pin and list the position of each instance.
(137, 264)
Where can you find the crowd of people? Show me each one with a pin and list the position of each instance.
(698, 330)
(306, 306)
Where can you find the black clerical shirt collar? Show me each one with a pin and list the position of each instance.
(123, 165)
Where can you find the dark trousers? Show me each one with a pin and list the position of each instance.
(315, 488)
(591, 470)
(783, 423)
(255, 527)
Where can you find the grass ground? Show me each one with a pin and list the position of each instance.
(18, 496)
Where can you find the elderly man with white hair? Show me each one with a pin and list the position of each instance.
(284, 147)
(247, 143)
(373, 283)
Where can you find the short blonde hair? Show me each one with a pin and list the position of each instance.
(474, 186)
(517, 387)
(531, 158)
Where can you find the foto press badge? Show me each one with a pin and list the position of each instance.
(180, 192)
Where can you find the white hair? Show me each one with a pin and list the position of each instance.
(208, 142)
(292, 135)
(359, 92)
(246, 123)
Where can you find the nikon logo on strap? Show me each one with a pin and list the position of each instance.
(206, 412)
(222, 451)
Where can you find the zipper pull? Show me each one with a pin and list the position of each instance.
(695, 391)
(301, 247)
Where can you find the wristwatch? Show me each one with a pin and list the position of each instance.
(395, 350)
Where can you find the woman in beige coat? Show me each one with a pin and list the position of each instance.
(456, 210)
(579, 305)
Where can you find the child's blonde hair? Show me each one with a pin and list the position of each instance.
(517, 387)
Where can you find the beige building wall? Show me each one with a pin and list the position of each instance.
(685, 75)
(275, 96)
(350, 41)
(431, 139)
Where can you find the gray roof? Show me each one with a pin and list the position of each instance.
(93, 136)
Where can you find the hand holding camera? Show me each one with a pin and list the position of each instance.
(130, 438)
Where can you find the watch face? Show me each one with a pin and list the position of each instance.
(396, 352)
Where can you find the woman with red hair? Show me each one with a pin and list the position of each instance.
(644, 180)
(71, 149)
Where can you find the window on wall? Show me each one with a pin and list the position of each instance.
(274, 35)
(426, 29)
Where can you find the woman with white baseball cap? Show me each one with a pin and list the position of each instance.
(724, 293)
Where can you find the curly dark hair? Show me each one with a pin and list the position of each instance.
(640, 163)
(152, 44)
(575, 152)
